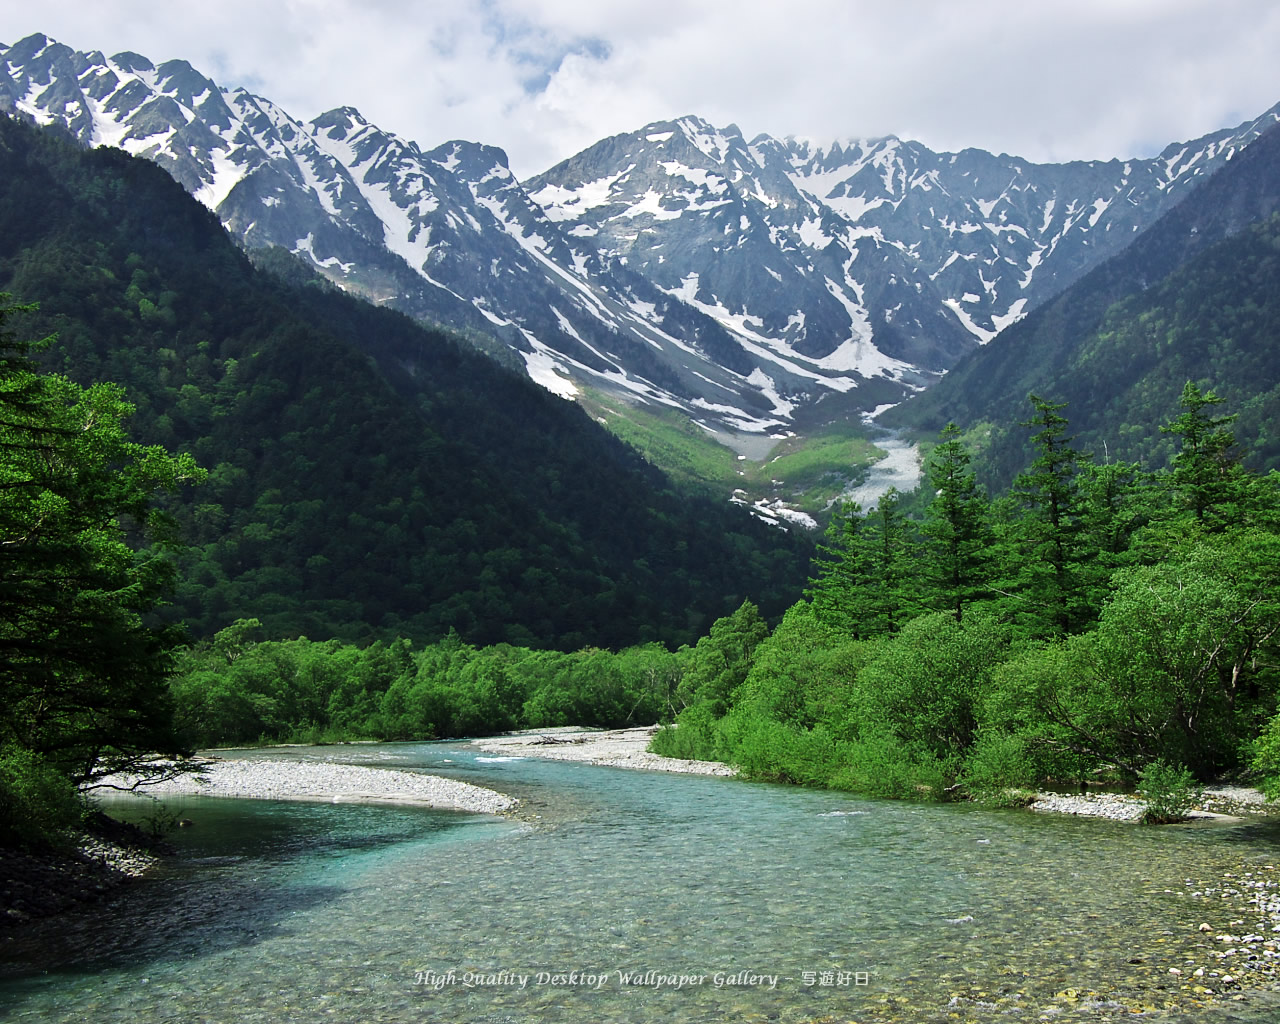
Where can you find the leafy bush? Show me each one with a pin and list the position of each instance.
(1266, 759)
(37, 803)
(770, 751)
(692, 736)
(1170, 791)
(997, 769)
(879, 764)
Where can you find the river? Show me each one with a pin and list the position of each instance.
(628, 896)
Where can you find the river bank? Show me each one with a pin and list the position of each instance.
(110, 854)
(628, 748)
(1220, 802)
(107, 855)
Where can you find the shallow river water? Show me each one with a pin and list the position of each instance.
(640, 897)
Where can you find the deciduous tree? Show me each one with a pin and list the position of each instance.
(84, 559)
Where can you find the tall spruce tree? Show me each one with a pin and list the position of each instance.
(840, 571)
(1207, 479)
(957, 530)
(861, 585)
(1049, 542)
(889, 538)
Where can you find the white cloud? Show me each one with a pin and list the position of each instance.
(1047, 80)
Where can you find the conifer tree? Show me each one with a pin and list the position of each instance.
(1207, 479)
(957, 528)
(839, 570)
(888, 534)
(1050, 547)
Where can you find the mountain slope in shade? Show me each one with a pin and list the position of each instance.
(1194, 298)
(682, 265)
(367, 474)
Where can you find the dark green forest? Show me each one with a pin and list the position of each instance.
(1095, 623)
(367, 476)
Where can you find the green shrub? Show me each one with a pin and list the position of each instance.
(879, 764)
(1266, 758)
(692, 736)
(37, 803)
(1170, 791)
(769, 751)
(997, 769)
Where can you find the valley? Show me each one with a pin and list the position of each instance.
(887, 491)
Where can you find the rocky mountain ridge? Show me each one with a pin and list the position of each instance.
(742, 282)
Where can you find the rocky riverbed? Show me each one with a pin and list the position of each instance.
(1215, 802)
(1239, 933)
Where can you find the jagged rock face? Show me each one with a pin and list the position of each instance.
(680, 264)
(878, 245)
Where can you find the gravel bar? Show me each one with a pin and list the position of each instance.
(615, 748)
(335, 783)
(1223, 802)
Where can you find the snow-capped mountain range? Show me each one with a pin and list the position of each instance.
(681, 264)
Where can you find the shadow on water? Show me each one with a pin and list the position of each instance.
(235, 882)
(161, 920)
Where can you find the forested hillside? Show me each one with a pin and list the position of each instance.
(1095, 623)
(367, 476)
(1193, 298)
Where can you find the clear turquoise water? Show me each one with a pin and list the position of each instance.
(319, 912)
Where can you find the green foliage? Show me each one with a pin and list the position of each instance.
(957, 529)
(83, 670)
(802, 674)
(1207, 480)
(997, 769)
(38, 803)
(692, 736)
(235, 690)
(927, 685)
(1266, 758)
(880, 764)
(1181, 666)
(721, 660)
(1124, 631)
(767, 751)
(1170, 791)
(862, 576)
(1049, 556)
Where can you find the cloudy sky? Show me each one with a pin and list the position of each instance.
(1047, 80)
